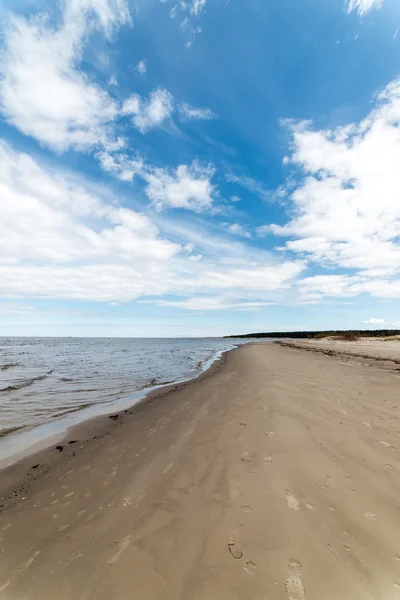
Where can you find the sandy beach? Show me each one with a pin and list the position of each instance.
(274, 475)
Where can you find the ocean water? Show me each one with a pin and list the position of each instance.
(49, 383)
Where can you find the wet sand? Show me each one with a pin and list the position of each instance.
(276, 475)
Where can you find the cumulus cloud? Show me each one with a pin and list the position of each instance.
(346, 211)
(186, 187)
(42, 91)
(362, 6)
(150, 113)
(190, 113)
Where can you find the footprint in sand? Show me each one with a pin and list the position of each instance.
(267, 459)
(386, 445)
(123, 544)
(292, 502)
(246, 457)
(367, 425)
(293, 584)
(348, 549)
(243, 423)
(250, 567)
(235, 548)
(397, 585)
(332, 508)
(25, 565)
(310, 506)
(388, 467)
(270, 433)
(370, 515)
(247, 508)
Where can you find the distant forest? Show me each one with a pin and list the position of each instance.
(356, 333)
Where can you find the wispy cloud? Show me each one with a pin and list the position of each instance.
(189, 12)
(201, 303)
(252, 185)
(190, 113)
(239, 230)
(362, 6)
(374, 321)
(141, 67)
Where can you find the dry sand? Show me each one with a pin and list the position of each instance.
(385, 351)
(275, 476)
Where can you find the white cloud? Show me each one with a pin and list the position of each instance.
(42, 92)
(197, 6)
(211, 303)
(238, 229)
(54, 233)
(346, 212)
(363, 6)
(248, 277)
(347, 286)
(141, 67)
(187, 187)
(120, 165)
(149, 113)
(190, 113)
(374, 321)
(65, 238)
(189, 12)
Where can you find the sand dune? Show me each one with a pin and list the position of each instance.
(275, 476)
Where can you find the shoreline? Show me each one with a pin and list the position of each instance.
(18, 475)
(275, 474)
(20, 445)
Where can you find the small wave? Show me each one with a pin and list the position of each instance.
(10, 430)
(27, 383)
(156, 381)
(63, 411)
(8, 366)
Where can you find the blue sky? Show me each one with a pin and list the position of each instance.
(199, 167)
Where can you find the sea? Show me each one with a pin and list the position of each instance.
(49, 384)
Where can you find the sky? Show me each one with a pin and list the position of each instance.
(199, 167)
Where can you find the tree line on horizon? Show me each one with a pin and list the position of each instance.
(345, 334)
